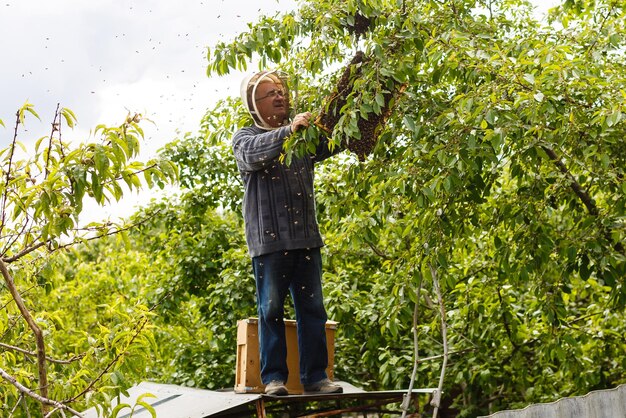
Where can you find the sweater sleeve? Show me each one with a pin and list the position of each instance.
(254, 149)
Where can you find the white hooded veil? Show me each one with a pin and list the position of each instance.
(248, 92)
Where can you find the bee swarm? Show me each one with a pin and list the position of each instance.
(369, 128)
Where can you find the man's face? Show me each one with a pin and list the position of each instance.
(271, 103)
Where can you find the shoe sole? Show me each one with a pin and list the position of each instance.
(280, 392)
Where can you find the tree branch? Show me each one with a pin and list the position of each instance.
(33, 354)
(582, 194)
(16, 405)
(41, 347)
(55, 127)
(8, 173)
(507, 327)
(378, 252)
(407, 397)
(576, 187)
(42, 399)
(16, 236)
(599, 32)
(108, 233)
(436, 402)
(24, 252)
(138, 330)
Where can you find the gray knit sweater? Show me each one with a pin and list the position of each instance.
(279, 201)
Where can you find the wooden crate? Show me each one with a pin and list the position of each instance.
(248, 373)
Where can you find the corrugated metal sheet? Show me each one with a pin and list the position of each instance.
(609, 403)
(173, 401)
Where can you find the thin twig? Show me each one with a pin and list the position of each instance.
(576, 187)
(55, 127)
(79, 240)
(33, 354)
(584, 317)
(61, 136)
(15, 237)
(599, 32)
(16, 405)
(449, 354)
(8, 173)
(138, 330)
(407, 396)
(378, 252)
(49, 414)
(507, 327)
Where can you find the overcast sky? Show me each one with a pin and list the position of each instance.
(105, 58)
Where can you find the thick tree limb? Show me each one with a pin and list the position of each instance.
(41, 347)
(42, 399)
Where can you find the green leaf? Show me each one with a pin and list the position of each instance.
(529, 78)
(101, 160)
(96, 188)
(69, 116)
(27, 107)
(380, 99)
(409, 122)
(148, 407)
(118, 408)
(613, 119)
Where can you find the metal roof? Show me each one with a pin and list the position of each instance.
(172, 401)
(610, 403)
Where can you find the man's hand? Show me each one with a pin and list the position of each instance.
(301, 120)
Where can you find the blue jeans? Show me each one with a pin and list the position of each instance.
(300, 273)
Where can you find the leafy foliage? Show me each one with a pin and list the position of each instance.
(66, 340)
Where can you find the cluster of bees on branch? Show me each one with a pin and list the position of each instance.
(369, 128)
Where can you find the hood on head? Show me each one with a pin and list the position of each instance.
(248, 91)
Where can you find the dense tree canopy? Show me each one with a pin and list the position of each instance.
(498, 174)
(500, 167)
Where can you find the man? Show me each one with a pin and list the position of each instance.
(282, 234)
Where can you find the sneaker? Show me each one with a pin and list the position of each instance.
(276, 388)
(323, 386)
